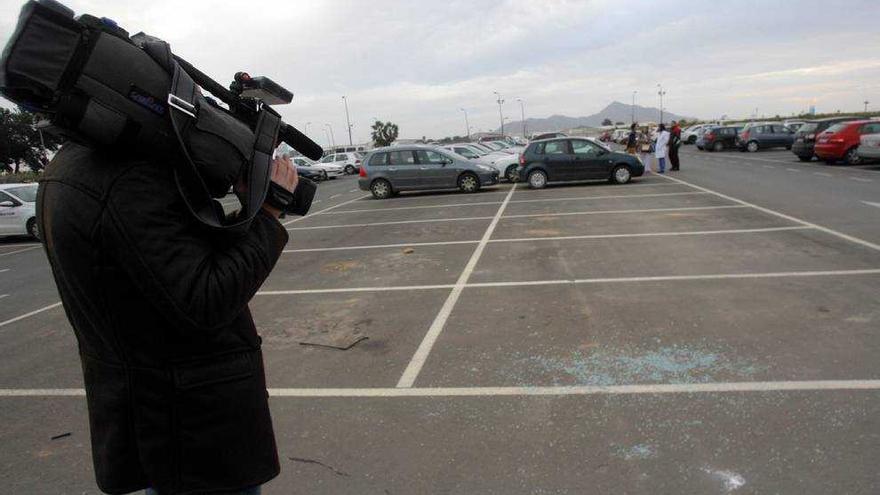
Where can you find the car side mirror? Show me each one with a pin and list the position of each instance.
(7, 204)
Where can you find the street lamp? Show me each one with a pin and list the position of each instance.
(661, 93)
(332, 137)
(522, 114)
(500, 102)
(347, 120)
(327, 135)
(632, 119)
(306, 128)
(467, 125)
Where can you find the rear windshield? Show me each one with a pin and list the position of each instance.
(809, 127)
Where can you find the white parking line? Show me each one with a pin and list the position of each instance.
(297, 219)
(20, 250)
(557, 238)
(4, 270)
(422, 207)
(792, 170)
(398, 222)
(823, 174)
(335, 196)
(353, 289)
(353, 190)
(833, 232)
(525, 215)
(871, 203)
(769, 166)
(28, 315)
(421, 355)
(859, 179)
(580, 281)
(3, 295)
(376, 246)
(606, 212)
(653, 234)
(573, 390)
(616, 196)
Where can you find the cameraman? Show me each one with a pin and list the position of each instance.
(171, 358)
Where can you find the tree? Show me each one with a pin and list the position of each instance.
(619, 123)
(607, 122)
(20, 141)
(384, 133)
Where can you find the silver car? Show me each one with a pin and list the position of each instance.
(387, 171)
(869, 147)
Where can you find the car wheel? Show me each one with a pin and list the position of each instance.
(468, 183)
(805, 158)
(324, 176)
(33, 229)
(852, 156)
(537, 179)
(381, 189)
(692, 139)
(752, 146)
(511, 174)
(349, 169)
(788, 148)
(719, 146)
(621, 174)
(699, 147)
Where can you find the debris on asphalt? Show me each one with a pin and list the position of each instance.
(56, 437)
(334, 341)
(319, 463)
(408, 250)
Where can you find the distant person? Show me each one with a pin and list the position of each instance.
(632, 140)
(674, 144)
(661, 148)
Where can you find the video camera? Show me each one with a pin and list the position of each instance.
(98, 86)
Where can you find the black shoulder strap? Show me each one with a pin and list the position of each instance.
(184, 100)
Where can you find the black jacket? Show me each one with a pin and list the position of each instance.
(171, 358)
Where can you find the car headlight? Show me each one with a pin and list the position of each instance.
(485, 168)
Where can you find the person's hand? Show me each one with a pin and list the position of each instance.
(284, 174)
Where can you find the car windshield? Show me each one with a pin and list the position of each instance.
(837, 128)
(25, 193)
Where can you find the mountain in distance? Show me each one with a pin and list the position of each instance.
(616, 112)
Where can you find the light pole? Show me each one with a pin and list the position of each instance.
(306, 128)
(347, 120)
(632, 119)
(522, 114)
(866, 107)
(327, 135)
(500, 115)
(332, 137)
(661, 93)
(467, 125)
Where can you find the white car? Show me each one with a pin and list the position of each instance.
(692, 133)
(505, 163)
(349, 162)
(18, 210)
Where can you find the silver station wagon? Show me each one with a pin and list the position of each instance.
(387, 171)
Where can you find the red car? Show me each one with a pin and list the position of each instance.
(841, 141)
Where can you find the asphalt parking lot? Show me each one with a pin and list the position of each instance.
(713, 331)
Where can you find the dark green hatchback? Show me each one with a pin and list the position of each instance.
(575, 159)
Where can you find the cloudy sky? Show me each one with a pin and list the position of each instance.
(418, 62)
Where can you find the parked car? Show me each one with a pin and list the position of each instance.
(349, 161)
(387, 171)
(719, 138)
(18, 207)
(869, 147)
(793, 125)
(805, 136)
(500, 162)
(841, 141)
(693, 133)
(548, 135)
(574, 159)
(764, 135)
(309, 172)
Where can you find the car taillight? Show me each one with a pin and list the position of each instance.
(522, 160)
(835, 140)
(709, 136)
(362, 172)
(356, 162)
(744, 135)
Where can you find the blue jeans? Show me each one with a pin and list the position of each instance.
(661, 164)
(254, 490)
